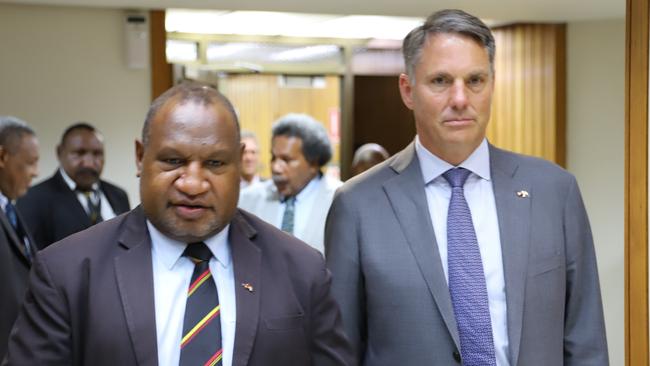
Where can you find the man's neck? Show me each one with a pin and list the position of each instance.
(454, 154)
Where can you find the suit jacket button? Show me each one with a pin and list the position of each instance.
(456, 355)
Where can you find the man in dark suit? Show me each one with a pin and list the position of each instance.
(74, 198)
(185, 278)
(18, 165)
(454, 251)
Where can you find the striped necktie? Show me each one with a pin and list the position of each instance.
(466, 278)
(94, 205)
(201, 342)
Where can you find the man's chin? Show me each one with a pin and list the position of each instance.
(85, 185)
(189, 232)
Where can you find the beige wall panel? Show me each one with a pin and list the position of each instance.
(524, 115)
(260, 101)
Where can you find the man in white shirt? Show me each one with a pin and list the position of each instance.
(299, 196)
(75, 197)
(454, 251)
(185, 278)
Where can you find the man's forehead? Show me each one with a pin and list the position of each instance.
(83, 136)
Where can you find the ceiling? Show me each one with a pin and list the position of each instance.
(497, 11)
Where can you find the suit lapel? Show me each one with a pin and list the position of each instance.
(514, 228)
(69, 199)
(247, 261)
(406, 194)
(134, 272)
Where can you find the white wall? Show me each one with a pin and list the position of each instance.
(60, 65)
(595, 142)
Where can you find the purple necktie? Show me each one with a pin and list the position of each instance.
(466, 278)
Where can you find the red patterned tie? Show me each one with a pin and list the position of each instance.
(201, 343)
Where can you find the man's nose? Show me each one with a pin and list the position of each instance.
(88, 160)
(192, 180)
(276, 166)
(459, 95)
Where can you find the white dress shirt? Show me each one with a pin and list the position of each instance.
(305, 201)
(480, 198)
(172, 273)
(106, 209)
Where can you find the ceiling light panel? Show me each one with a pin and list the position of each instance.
(288, 24)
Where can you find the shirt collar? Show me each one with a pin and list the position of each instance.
(432, 166)
(308, 189)
(71, 184)
(3, 201)
(170, 250)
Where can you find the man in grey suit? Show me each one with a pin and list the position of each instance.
(18, 166)
(454, 251)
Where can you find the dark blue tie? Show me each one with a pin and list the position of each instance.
(466, 278)
(288, 216)
(12, 216)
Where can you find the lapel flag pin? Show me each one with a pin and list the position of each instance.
(522, 194)
(247, 286)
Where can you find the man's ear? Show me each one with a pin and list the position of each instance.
(4, 154)
(139, 153)
(406, 90)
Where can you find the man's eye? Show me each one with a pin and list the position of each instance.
(475, 81)
(214, 163)
(173, 161)
(439, 80)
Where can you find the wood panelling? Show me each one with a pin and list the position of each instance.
(161, 71)
(636, 183)
(260, 101)
(528, 110)
(379, 114)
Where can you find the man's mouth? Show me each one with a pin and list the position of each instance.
(188, 210)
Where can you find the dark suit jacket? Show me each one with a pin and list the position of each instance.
(14, 269)
(91, 300)
(52, 211)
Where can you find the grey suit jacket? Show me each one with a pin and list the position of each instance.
(14, 270)
(263, 200)
(388, 277)
(91, 300)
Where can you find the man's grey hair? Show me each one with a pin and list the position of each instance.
(446, 21)
(316, 146)
(12, 130)
(245, 134)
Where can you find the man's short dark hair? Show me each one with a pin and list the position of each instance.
(316, 146)
(194, 92)
(77, 126)
(441, 22)
(12, 130)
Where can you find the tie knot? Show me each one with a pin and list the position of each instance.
(10, 208)
(198, 252)
(291, 201)
(456, 177)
